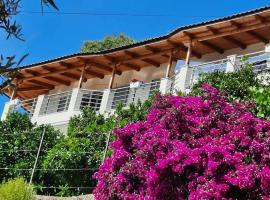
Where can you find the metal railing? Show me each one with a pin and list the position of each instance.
(128, 95)
(258, 60)
(26, 106)
(208, 67)
(89, 98)
(55, 103)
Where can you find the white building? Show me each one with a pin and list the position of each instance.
(52, 91)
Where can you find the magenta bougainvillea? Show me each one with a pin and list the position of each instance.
(190, 148)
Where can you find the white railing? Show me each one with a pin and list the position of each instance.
(55, 103)
(26, 106)
(208, 67)
(89, 98)
(128, 95)
(258, 60)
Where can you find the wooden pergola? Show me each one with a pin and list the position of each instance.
(185, 43)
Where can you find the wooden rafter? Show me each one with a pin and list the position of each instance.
(258, 37)
(235, 30)
(99, 65)
(212, 47)
(41, 83)
(146, 60)
(92, 73)
(205, 43)
(131, 66)
(57, 80)
(50, 78)
(155, 50)
(33, 88)
(251, 33)
(228, 38)
(66, 74)
(183, 48)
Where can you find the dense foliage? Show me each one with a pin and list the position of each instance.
(16, 189)
(261, 96)
(190, 148)
(234, 84)
(109, 42)
(19, 142)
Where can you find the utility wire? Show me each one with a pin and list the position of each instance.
(112, 14)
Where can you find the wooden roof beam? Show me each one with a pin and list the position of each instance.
(212, 47)
(99, 65)
(184, 48)
(258, 37)
(96, 74)
(155, 50)
(146, 60)
(43, 84)
(56, 80)
(33, 88)
(52, 73)
(131, 66)
(66, 74)
(204, 43)
(251, 33)
(228, 38)
(237, 30)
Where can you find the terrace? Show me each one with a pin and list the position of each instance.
(57, 108)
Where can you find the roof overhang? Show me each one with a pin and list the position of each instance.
(237, 31)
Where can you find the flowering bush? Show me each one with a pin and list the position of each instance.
(190, 148)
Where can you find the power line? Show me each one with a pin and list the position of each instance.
(113, 14)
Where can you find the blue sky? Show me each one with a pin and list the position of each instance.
(51, 35)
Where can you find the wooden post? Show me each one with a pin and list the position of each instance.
(169, 66)
(14, 90)
(189, 53)
(112, 77)
(82, 77)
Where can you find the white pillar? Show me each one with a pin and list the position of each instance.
(267, 48)
(38, 107)
(182, 80)
(105, 101)
(73, 100)
(165, 85)
(231, 63)
(9, 107)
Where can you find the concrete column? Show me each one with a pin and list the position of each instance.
(38, 107)
(9, 108)
(73, 100)
(183, 79)
(165, 85)
(231, 63)
(105, 101)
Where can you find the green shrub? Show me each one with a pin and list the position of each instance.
(16, 189)
(234, 84)
(261, 96)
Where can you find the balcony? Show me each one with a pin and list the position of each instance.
(56, 109)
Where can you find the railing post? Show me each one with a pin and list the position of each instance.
(267, 51)
(38, 107)
(165, 85)
(9, 107)
(104, 102)
(183, 79)
(231, 63)
(73, 100)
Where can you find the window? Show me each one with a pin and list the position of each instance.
(63, 103)
(120, 96)
(154, 86)
(92, 99)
